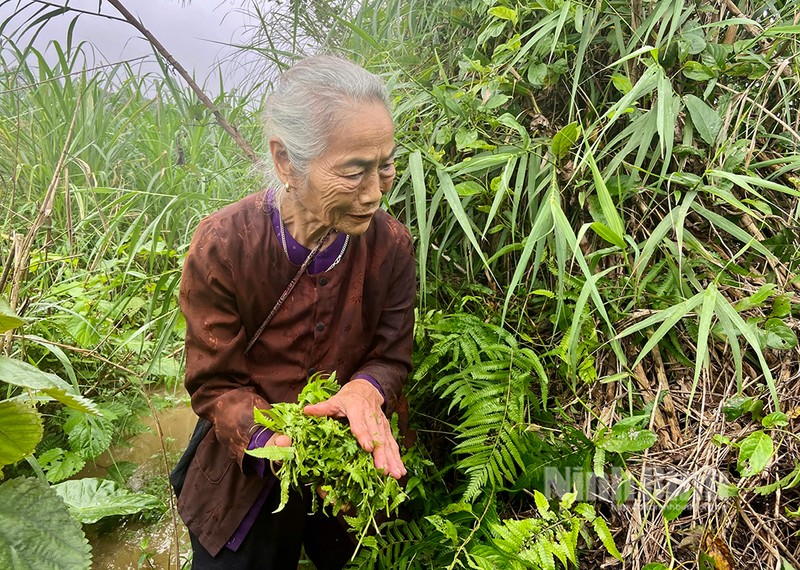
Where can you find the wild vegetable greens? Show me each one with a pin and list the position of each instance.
(326, 457)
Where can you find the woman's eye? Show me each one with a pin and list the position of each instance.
(354, 176)
(387, 168)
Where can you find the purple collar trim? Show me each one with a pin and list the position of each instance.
(298, 253)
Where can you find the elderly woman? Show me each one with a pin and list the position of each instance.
(331, 140)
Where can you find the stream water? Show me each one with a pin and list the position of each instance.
(133, 545)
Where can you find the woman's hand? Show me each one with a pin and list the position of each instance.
(360, 403)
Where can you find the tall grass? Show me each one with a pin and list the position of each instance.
(616, 184)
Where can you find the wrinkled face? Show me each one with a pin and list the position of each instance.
(345, 184)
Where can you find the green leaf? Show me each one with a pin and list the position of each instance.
(607, 206)
(537, 74)
(458, 211)
(622, 83)
(654, 566)
(36, 531)
(782, 306)
(88, 435)
(59, 464)
(504, 13)
(755, 452)
(697, 71)
(24, 375)
(775, 419)
(778, 335)
(469, 188)
(757, 299)
(20, 431)
(444, 526)
(674, 508)
(705, 119)
(564, 140)
(626, 438)
(601, 528)
(465, 137)
(91, 499)
(272, 452)
(738, 405)
(8, 318)
(542, 505)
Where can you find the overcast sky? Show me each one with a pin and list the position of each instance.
(193, 32)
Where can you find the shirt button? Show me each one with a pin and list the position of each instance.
(323, 281)
(320, 327)
(312, 371)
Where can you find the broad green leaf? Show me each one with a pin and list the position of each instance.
(36, 530)
(775, 419)
(468, 188)
(20, 431)
(564, 140)
(654, 566)
(59, 464)
(782, 305)
(755, 452)
(627, 439)
(88, 435)
(704, 118)
(24, 375)
(778, 335)
(674, 508)
(91, 499)
(8, 318)
(504, 13)
(537, 73)
(465, 137)
(738, 405)
(622, 83)
(697, 71)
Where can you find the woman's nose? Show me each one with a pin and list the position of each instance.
(371, 188)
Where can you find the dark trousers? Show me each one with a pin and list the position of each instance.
(275, 540)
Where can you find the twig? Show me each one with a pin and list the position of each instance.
(230, 129)
(767, 545)
(754, 30)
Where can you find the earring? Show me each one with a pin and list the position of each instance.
(287, 188)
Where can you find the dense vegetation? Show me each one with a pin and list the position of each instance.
(604, 198)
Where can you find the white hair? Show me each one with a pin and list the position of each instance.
(306, 102)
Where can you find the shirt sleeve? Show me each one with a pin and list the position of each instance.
(217, 374)
(388, 361)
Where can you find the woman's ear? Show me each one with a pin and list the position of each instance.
(280, 158)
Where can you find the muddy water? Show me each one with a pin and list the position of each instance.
(134, 545)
